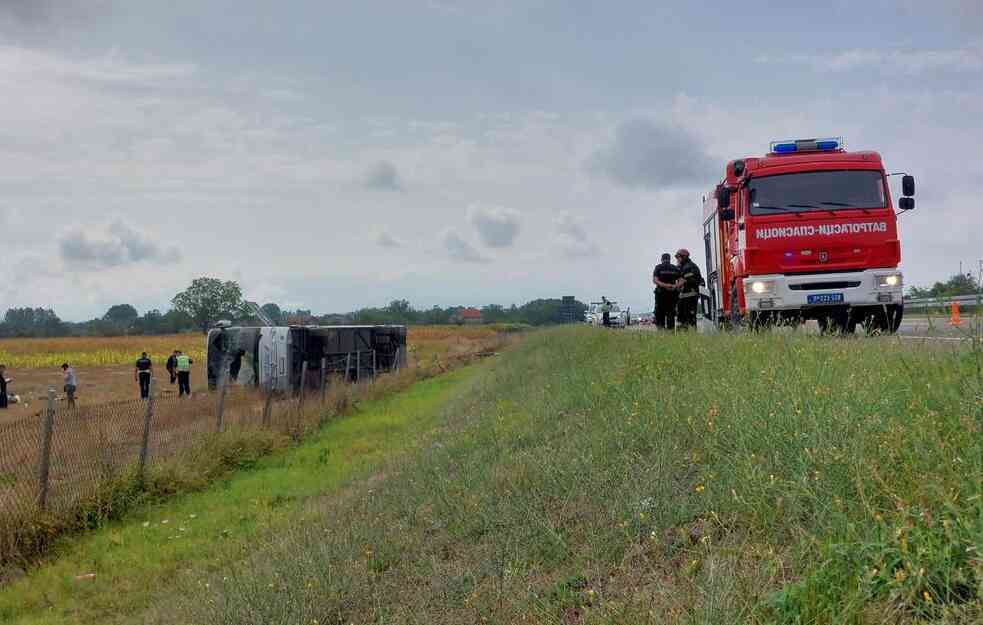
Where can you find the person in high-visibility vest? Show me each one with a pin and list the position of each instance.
(605, 312)
(183, 374)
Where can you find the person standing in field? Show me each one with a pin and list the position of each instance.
(171, 365)
(183, 374)
(3, 386)
(665, 276)
(71, 383)
(142, 373)
(605, 312)
(689, 284)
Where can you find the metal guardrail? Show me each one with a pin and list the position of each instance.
(928, 302)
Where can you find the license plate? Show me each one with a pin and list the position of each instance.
(825, 298)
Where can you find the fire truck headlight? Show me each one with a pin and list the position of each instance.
(760, 287)
(889, 280)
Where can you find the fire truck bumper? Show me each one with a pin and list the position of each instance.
(871, 287)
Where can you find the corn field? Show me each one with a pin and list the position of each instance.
(95, 351)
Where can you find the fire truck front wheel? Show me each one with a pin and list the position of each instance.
(838, 322)
(884, 319)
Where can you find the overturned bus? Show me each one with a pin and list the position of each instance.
(264, 356)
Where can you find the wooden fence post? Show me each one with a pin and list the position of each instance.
(348, 366)
(358, 366)
(324, 377)
(148, 417)
(44, 463)
(303, 384)
(223, 386)
(268, 405)
(373, 364)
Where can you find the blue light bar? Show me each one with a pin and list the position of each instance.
(807, 145)
(786, 147)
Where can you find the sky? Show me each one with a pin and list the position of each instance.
(333, 155)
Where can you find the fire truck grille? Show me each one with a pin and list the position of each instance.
(818, 286)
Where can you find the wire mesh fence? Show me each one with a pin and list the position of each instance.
(63, 455)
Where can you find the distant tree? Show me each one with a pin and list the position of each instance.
(957, 284)
(32, 322)
(175, 321)
(122, 316)
(494, 313)
(151, 322)
(272, 311)
(435, 316)
(208, 300)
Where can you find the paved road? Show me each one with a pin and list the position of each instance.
(937, 329)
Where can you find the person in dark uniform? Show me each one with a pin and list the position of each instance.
(666, 277)
(689, 283)
(171, 366)
(142, 374)
(236, 365)
(3, 386)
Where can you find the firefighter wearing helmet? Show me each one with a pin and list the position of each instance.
(689, 285)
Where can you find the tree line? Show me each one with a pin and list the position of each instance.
(958, 284)
(208, 300)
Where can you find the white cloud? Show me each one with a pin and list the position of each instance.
(966, 59)
(571, 237)
(459, 249)
(496, 226)
(108, 69)
(114, 245)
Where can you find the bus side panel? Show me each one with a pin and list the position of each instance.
(273, 358)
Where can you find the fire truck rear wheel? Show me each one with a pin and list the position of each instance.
(735, 311)
(761, 321)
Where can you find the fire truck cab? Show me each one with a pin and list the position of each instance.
(807, 231)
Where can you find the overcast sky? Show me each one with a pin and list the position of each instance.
(334, 155)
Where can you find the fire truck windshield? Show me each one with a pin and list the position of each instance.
(816, 191)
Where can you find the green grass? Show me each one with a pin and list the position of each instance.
(619, 477)
(144, 555)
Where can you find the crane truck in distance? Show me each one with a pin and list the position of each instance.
(807, 231)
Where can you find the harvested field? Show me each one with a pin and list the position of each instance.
(100, 439)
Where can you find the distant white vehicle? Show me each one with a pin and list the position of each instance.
(617, 318)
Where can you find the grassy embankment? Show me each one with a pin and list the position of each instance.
(25, 534)
(615, 477)
(602, 477)
(111, 574)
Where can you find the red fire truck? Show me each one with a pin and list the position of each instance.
(807, 231)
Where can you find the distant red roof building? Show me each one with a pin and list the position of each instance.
(470, 315)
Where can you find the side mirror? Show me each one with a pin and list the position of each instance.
(907, 186)
(723, 197)
(906, 203)
(727, 214)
